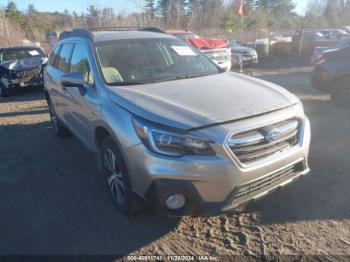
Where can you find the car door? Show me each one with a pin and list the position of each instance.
(83, 99)
(59, 65)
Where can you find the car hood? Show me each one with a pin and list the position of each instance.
(22, 64)
(197, 102)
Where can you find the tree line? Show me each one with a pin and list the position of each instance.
(197, 15)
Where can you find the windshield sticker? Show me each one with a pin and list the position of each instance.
(183, 50)
(33, 52)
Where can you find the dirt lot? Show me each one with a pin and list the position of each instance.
(53, 200)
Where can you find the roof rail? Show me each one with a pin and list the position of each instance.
(153, 29)
(87, 33)
(114, 28)
(82, 32)
(128, 28)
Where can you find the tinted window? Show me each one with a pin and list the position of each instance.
(54, 55)
(64, 57)
(80, 63)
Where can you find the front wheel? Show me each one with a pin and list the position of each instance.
(117, 177)
(340, 92)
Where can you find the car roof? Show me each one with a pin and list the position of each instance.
(104, 36)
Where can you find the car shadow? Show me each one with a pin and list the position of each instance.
(55, 201)
(31, 93)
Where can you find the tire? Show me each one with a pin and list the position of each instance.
(59, 128)
(115, 172)
(340, 92)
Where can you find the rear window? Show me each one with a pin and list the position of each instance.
(64, 58)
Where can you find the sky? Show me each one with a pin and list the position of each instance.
(78, 6)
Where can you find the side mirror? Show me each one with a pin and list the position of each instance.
(72, 80)
(44, 60)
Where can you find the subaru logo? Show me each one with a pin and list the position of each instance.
(273, 135)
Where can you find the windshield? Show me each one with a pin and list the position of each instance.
(19, 53)
(142, 61)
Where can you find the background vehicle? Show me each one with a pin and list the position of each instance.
(309, 35)
(319, 52)
(169, 127)
(249, 55)
(336, 36)
(333, 31)
(333, 75)
(20, 66)
(216, 49)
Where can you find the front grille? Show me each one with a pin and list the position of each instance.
(268, 182)
(264, 142)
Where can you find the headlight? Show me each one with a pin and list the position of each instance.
(170, 143)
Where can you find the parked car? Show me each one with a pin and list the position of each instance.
(215, 49)
(308, 36)
(169, 128)
(318, 54)
(20, 66)
(249, 55)
(332, 74)
(332, 31)
(336, 37)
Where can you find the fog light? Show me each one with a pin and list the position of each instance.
(175, 202)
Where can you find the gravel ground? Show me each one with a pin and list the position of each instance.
(54, 201)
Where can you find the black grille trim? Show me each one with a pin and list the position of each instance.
(253, 188)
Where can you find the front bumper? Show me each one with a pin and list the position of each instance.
(247, 59)
(160, 189)
(250, 60)
(21, 82)
(215, 184)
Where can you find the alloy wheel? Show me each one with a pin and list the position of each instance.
(114, 176)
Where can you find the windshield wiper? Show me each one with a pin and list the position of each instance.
(172, 78)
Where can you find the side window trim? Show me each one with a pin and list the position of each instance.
(90, 73)
(71, 54)
(55, 62)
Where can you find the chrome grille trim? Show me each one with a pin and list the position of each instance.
(265, 141)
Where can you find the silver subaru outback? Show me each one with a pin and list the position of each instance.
(169, 128)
